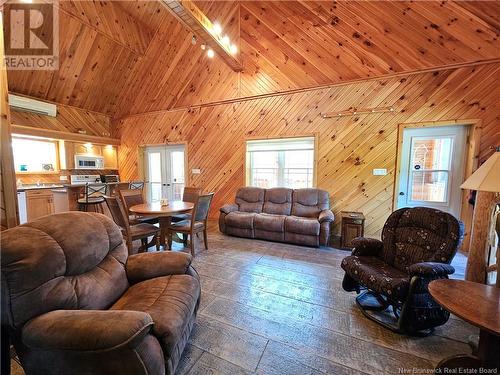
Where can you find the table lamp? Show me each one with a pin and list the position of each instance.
(486, 180)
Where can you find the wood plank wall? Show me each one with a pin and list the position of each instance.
(69, 120)
(349, 148)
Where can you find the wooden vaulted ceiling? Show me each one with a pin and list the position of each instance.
(121, 58)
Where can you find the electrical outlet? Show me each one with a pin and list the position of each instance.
(379, 172)
(196, 171)
(63, 178)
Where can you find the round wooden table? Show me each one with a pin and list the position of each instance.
(479, 305)
(164, 213)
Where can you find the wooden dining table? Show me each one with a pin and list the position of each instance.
(164, 214)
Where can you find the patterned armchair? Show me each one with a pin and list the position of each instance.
(417, 246)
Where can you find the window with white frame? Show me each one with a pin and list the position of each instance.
(34, 155)
(284, 162)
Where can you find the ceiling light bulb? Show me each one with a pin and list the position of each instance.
(226, 40)
(217, 28)
(234, 49)
(210, 53)
(203, 46)
(193, 40)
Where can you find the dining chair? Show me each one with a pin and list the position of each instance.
(197, 223)
(136, 185)
(130, 198)
(140, 231)
(93, 197)
(190, 194)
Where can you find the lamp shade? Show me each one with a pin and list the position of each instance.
(486, 177)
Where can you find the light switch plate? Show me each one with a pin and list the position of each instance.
(379, 172)
(196, 171)
(63, 178)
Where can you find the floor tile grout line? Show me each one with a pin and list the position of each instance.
(195, 362)
(261, 355)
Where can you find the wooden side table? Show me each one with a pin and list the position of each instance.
(479, 305)
(353, 225)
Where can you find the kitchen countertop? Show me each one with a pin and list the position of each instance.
(59, 186)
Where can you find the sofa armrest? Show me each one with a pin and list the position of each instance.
(430, 269)
(228, 208)
(87, 330)
(366, 246)
(326, 216)
(145, 266)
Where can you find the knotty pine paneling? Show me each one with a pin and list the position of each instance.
(348, 148)
(69, 119)
(127, 57)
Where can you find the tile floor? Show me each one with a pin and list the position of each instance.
(270, 308)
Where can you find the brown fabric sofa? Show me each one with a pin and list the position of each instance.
(300, 216)
(74, 302)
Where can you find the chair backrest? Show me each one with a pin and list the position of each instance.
(420, 234)
(118, 213)
(130, 198)
(202, 207)
(71, 261)
(190, 194)
(95, 191)
(250, 199)
(136, 185)
(278, 201)
(309, 202)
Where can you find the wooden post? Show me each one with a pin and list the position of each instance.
(478, 249)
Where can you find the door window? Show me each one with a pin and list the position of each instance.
(430, 169)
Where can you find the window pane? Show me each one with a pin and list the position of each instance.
(155, 192)
(429, 186)
(281, 163)
(33, 155)
(178, 166)
(431, 153)
(154, 166)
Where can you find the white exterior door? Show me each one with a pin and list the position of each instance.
(432, 168)
(164, 172)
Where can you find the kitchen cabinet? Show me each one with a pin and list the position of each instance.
(110, 153)
(110, 157)
(39, 203)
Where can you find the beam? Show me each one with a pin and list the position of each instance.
(194, 19)
(66, 136)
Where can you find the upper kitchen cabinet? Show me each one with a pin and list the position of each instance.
(108, 153)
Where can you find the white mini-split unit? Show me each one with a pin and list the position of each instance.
(20, 103)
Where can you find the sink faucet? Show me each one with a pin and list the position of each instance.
(38, 183)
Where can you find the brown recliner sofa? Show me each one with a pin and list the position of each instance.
(74, 302)
(298, 216)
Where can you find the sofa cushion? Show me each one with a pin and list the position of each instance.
(309, 202)
(243, 220)
(250, 199)
(270, 223)
(377, 275)
(169, 300)
(278, 201)
(302, 225)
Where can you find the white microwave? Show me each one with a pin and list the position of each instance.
(89, 162)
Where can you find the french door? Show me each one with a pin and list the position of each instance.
(164, 172)
(432, 168)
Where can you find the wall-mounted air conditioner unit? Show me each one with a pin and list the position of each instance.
(20, 103)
